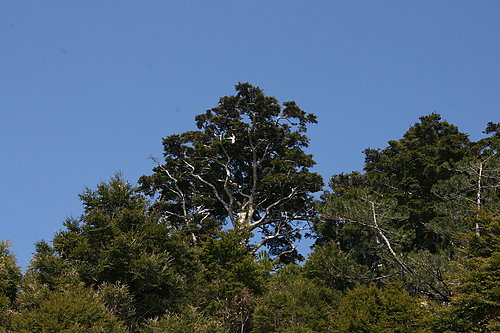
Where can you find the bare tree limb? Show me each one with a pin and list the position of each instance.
(214, 190)
(386, 241)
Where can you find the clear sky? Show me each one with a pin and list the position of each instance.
(88, 88)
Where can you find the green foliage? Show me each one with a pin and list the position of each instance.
(188, 321)
(408, 169)
(118, 300)
(33, 292)
(422, 220)
(471, 198)
(49, 268)
(72, 310)
(10, 273)
(246, 166)
(293, 303)
(230, 259)
(233, 279)
(473, 186)
(429, 274)
(389, 219)
(47, 272)
(370, 309)
(10, 276)
(475, 306)
(335, 268)
(117, 242)
(5, 314)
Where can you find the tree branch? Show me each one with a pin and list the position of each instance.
(214, 189)
(262, 220)
(386, 241)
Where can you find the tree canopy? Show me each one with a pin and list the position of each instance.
(246, 166)
(208, 241)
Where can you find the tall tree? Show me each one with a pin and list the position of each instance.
(245, 165)
(408, 168)
(392, 207)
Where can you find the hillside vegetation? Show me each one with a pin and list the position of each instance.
(208, 241)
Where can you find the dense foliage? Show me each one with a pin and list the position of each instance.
(244, 166)
(208, 241)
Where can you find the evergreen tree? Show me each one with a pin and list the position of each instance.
(473, 185)
(475, 305)
(117, 246)
(386, 218)
(423, 216)
(337, 269)
(245, 165)
(408, 169)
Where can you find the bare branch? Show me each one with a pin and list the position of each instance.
(277, 234)
(227, 179)
(177, 191)
(214, 190)
(386, 240)
(268, 209)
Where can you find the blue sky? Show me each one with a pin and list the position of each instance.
(88, 88)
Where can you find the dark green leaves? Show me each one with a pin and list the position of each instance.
(245, 166)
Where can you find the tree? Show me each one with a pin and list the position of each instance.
(130, 255)
(408, 169)
(47, 273)
(245, 165)
(386, 218)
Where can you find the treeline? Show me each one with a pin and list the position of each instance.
(207, 242)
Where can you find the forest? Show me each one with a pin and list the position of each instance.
(207, 242)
